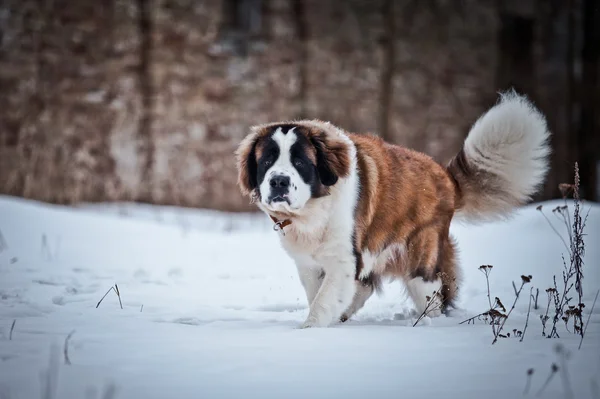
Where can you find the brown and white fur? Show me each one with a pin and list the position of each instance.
(354, 209)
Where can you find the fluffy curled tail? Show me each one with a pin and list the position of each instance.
(504, 160)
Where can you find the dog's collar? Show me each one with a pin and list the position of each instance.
(280, 224)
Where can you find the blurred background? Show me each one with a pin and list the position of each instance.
(146, 100)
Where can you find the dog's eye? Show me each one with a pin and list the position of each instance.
(299, 163)
(268, 162)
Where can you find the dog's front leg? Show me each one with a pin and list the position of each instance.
(311, 279)
(335, 294)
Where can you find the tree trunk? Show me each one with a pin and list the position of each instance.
(515, 63)
(387, 71)
(589, 129)
(554, 96)
(302, 33)
(145, 132)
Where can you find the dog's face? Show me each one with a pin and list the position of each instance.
(286, 165)
(287, 174)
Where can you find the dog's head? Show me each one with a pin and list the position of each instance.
(285, 165)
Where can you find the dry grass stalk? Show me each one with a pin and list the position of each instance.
(434, 302)
(118, 295)
(528, 311)
(66, 348)
(487, 269)
(573, 272)
(12, 327)
(114, 288)
(524, 280)
(497, 311)
(551, 295)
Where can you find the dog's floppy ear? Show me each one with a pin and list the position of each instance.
(246, 163)
(333, 157)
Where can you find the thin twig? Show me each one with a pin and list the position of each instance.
(472, 319)
(66, 348)
(115, 288)
(556, 231)
(535, 303)
(587, 323)
(561, 302)
(525, 280)
(11, 329)
(118, 295)
(575, 228)
(142, 308)
(577, 252)
(100, 301)
(433, 299)
(545, 318)
(528, 311)
(486, 270)
(514, 287)
(586, 217)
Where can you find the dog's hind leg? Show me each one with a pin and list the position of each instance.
(433, 284)
(363, 293)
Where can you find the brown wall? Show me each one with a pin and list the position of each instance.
(101, 102)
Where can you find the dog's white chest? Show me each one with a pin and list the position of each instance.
(303, 248)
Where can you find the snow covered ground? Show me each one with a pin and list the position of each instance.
(211, 305)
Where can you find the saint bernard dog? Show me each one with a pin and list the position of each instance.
(353, 210)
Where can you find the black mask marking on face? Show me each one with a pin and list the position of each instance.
(269, 156)
(305, 167)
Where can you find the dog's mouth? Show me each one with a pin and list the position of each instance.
(280, 198)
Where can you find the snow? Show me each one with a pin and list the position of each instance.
(221, 303)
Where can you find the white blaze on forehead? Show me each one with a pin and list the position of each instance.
(285, 140)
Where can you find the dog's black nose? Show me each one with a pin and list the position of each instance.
(280, 181)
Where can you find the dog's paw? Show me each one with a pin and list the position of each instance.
(305, 325)
(313, 323)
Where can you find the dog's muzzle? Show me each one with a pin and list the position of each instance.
(280, 189)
